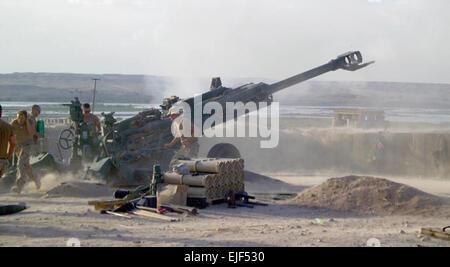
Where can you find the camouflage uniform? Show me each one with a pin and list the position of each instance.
(35, 148)
(23, 152)
(92, 149)
(23, 166)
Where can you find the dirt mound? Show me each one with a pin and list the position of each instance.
(369, 195)
(259, 183)
(80, 189)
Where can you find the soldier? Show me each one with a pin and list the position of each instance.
(92, 120)
(189, 145)
(23, 132)
(95, 127)
(6, 137)
(35, 112)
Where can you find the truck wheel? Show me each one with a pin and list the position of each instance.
(224, 150)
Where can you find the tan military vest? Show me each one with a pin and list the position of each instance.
(23, 137)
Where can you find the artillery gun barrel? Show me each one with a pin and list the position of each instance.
(350, 61)
(278, 86)
(262, 92)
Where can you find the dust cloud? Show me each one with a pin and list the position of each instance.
(52, 180)
(330, 151)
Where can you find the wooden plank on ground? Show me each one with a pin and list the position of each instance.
(435, 233)
(118, 214)
(149, 214)
(108, 204)
(180, 209)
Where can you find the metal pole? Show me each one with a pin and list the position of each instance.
(93, 95)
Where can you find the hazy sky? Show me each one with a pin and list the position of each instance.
(409, 39)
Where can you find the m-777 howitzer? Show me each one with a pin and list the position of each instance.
(151, 130)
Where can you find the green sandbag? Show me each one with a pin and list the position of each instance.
(11, 209)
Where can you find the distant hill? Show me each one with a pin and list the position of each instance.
(117, 88)
(367, 94)
(59, 87)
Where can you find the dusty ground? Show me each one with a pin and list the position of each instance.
(51, 222)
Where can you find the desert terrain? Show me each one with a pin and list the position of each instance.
(361, 91)
(279, 178)
(52, 222)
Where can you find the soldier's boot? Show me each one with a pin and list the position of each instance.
(16, 189)
(20, 183)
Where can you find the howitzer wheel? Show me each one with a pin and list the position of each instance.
(66, 138)
(224, 150)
